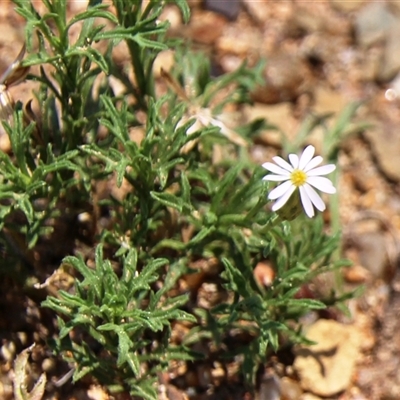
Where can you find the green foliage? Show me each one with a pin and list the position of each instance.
(177, 204)
(116, 312)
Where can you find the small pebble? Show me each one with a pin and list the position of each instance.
(23, 338)
(48, 364)
(264, 273)
(5, 144)
(356, 274)
(270, 388)
(8, 351)
(290, 389)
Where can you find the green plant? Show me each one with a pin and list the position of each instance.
(116, 312)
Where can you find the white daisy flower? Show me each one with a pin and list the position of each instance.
(300, 174)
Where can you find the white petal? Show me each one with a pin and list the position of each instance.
(280, 190)
(282, 163)
(322, 184)
(305, 200)
(275, 169)
(306, 157)
(276, 178)
(324, 170)
(219, 124)
(294, 160)
(313, 163)
(283, 199)
(314, 197)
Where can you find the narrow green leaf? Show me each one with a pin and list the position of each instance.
(185, 185)
(79, 373)
(237, 281)
(310, 304)
(94, 55)
(185, 10)
(222, 187)
(130, 265)
(168, 200)
(232, 219)
(96, 12)
(148, 273)
(141, 40)
(55, 305)
(207, 231)
(169, 244)
(25, 205)
(145, 391)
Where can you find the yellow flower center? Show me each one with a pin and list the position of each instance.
(298, 177)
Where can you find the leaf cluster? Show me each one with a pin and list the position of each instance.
(116, 312)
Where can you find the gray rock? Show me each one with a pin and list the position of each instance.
(381, 379)
(390, 64)
(229, 9)
(373, 22)
(385, 144)
(373, 253)
(270, 387)
(286, 77)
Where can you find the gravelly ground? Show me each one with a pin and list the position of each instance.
(321, 55)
